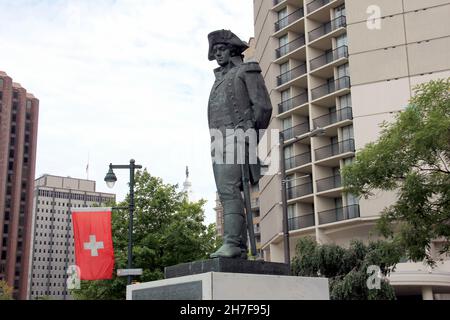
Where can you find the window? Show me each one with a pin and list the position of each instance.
(287, 123)
(282, 14)
(339, 11)
(285, 95)
(345, 101)
(341, 40)
(291, 211)
(283, 41)
(343, 70)
(347, 132)
(284, 67)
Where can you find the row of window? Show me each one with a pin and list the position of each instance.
(53, 293)
(53, 243)
(54, 219)
(48, 259)
(50, 227)
(72, 196)
(40, 234)
(47, 267)
(49, 276)
(54, 251)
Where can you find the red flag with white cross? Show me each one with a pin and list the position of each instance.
(94, 252)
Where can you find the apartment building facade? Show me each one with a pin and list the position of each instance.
(19, 112)
(344, 67)
(52, 250)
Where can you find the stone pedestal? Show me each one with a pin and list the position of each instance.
(231, 286)
(228, 266)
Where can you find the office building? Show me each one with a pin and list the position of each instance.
(19, 112)
(52, 251)
(344, 67)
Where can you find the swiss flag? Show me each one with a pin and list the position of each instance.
(94, 252)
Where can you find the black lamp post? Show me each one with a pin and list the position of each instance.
(315, 133)
(110, 180)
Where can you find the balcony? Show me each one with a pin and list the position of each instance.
(339, 214)
(291, 74)
(284, 22)
(289, 47)
(329, 183)
(336, 54)
(255, 204)
(299, 191)
(296, 131)
(333, 117)
(302, 222)
(292, 103)
(298, 160)
(328, 27)
(314, 5)
(335, 149)
(330, 87)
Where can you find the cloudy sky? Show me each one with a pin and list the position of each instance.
(120, 79)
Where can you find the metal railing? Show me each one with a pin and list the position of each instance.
(326, 28)
(333, 117)
(330, 87)
(296, 130)
(284, 22)
(291, 74)
(293, 102)
(338, 53)
(289, 47)
(339, 214)
(298, 160)
(275, 2)
(299, 191)
(335, 149)
(329, 183)
(255, 204)
(301, 222)
(316, 4)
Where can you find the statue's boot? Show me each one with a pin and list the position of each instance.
(233, 224)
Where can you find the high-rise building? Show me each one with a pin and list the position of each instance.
(19, 112)
(344, 67)
(52, 250)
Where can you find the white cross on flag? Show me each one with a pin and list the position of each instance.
(94, 252)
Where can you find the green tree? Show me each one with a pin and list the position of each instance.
(412, 157)
(168, 230)
(6, 292)
(347, 268)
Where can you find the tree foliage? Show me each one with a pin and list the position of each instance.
(412, 157)
(6, 291)
(347, 268)
(168, 230)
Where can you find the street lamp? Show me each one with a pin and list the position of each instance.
(110, 180)
(318, 132)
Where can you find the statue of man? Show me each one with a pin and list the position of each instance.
(239, 100)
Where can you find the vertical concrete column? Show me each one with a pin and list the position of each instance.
(427, 293)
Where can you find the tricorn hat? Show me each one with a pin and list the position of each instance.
(226, 37)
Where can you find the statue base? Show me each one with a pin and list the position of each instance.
(228, 266)
(231, 286)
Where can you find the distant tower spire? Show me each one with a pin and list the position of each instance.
(187, 186)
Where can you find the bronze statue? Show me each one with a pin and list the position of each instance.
(239, 100)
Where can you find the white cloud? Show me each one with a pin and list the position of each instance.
(120, 79)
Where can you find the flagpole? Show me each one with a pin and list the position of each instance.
(130, 230)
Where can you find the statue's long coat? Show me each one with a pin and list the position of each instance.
(239, 98)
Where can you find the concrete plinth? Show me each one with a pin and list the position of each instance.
(228, 266)
(231, 286)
